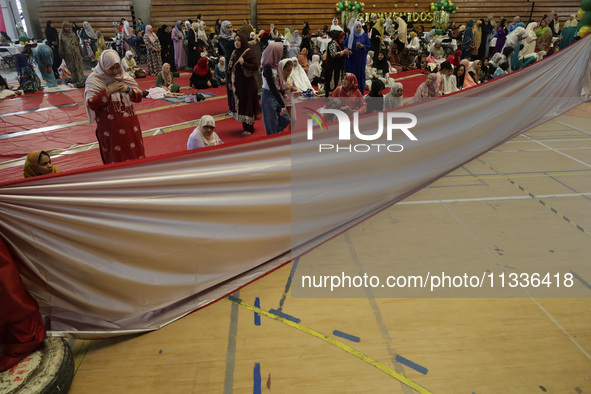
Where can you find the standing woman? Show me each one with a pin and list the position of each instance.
(468, 41)
(193, 52)
(243, 85)
(153, 49)
(180, 58)
(275, 116)
(71, 51)
(358, 44)
(109, 96)
(89, 40)
(166, 49)
(501, 36)
(544, 34)
(53, 40)
(400, 40)
(226, 45)
(335, 63)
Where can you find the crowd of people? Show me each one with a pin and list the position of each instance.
(264, 72)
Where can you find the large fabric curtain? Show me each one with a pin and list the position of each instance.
(130, 248)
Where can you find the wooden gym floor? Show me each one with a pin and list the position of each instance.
(526, 203)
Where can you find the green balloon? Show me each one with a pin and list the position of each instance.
(586, 5)
(586, 19)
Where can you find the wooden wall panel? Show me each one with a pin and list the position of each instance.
(169, 11)
(100, 15)
(321, 12)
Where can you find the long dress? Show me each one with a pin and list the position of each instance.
(71, 51)
(226, 49)
(117, 128)
(194, 54)
(29, 82)
(356, 62)
(544, 35)
(44, 58)
(52, 37)
(501, 37)
(335, 67)
(180, 58)
(154, 58)
(244, 88)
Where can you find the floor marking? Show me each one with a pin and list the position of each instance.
(231, 350)
(377, 313)
(387, 370)
(349, 337)
(583, 281)
(573, 127)
(477, 199)
(81, 353)
(411, 364)
(284, 315)
(505, 269)
(294, 265)
(566, 219)
(256, 377)
(564, 154)
(39, 109)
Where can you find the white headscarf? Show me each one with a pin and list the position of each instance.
(98, 80)
(315, 69)
(214, 139)
(299, 76)
(335, 25)
(390, 100)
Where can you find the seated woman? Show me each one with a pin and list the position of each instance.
(5, 90)
(204, 134)
(201, 77)
(303, 60)
(166, 80)
(315, 71)
(28, 80)
(219, 74)
(427, 89)
(350, 94)
(38, 163)
(394, 97)
(131, 67)
(375, 98)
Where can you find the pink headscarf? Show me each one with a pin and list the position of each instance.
(271, 57)
(150, 34)
(468, 81)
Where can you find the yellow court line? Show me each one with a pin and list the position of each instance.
(389, 371)
(81, 353)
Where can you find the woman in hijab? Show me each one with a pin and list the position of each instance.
(358, 44)
(201, 77)
(204, 134)
(303, 59)
(44, 58)
(394, 59)
(394, 97)
(275, 115)
(180, 58)
(529, 39)
(219, 74)
(375, 98)
(294, 44)
(166, 47)
(406, 60)
(306, 37)
(243, 85)
(474, 71)
(401, 38)
(226, 45)
(193, 50)
(153, 50)
(427, 89)
(468, 81)
(501, 36)
(335, 62)
(468, 41)
(71, 51)
(544, 35)
(53, 40)
(109, 96)
(38, 163)
(89, 39)
(477, 34)
(28, 80)
(572, 21)
(315, 71)
(460, 73)
(351, 97)
(165, 80)
(514, 41)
